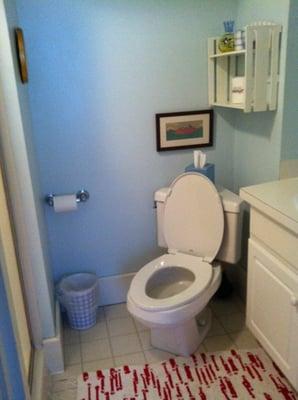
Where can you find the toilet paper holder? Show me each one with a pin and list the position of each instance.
(81, 197)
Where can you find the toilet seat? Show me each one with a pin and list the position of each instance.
(201, 270)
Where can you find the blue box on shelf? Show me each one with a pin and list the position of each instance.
(207, 170)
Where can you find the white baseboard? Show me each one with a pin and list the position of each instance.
(113, 289)
(40, 382)
(53, 347)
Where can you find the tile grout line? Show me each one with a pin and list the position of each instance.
(217, 317)
(109, 336)
(233, 341)
(141, 343)
(127, 334)
(81, 352)
(224, 329)
(96, 339)
(229, 333)
(220, 323)
(121, 334)
(138, 333)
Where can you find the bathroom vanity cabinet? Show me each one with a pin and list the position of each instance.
(272, 287)
(258, 64)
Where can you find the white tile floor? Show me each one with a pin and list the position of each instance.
(117, 339)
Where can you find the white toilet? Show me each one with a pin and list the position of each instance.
(200, 226)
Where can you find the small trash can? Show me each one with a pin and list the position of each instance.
(78, 294)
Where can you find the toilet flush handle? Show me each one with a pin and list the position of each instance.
(294, 301)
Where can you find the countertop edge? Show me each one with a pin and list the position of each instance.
(272, 212)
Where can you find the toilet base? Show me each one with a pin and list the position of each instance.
(183, 339)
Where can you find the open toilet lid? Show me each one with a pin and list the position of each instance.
(193, 216)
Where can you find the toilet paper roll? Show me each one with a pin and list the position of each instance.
(65, 203)
(238, 90)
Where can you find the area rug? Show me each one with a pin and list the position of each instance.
(234, 374)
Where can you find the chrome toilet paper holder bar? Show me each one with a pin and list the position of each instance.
(81, 197)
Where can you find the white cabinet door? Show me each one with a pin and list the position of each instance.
(272, 308)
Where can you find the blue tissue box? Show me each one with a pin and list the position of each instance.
(208, 170)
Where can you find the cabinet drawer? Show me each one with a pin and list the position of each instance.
(278, 238)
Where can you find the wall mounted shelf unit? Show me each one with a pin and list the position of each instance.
(258, 64)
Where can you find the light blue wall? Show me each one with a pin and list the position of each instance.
(11, 383)
(289, 149)
(258, 135)
(99, 71)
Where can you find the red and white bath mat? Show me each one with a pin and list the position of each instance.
(235, 374)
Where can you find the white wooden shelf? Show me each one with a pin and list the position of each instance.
(239, 106)
(258, 64)
(228, 53)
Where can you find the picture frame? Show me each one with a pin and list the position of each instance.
(21, 54)
(184, 130)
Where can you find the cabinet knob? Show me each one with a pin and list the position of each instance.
(294, 301)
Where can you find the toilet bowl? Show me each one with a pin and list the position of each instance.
(170, 294)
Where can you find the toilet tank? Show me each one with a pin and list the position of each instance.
(230, 249)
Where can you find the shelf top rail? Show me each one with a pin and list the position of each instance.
(228, 53)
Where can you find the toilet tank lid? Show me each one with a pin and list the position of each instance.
(231, 201)
(161, 194)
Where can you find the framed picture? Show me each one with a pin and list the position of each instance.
(184, 130)
(21, 54)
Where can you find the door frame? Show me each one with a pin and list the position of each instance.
(12, 135)
(13, 286)
(24, 197)
(12, 375)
